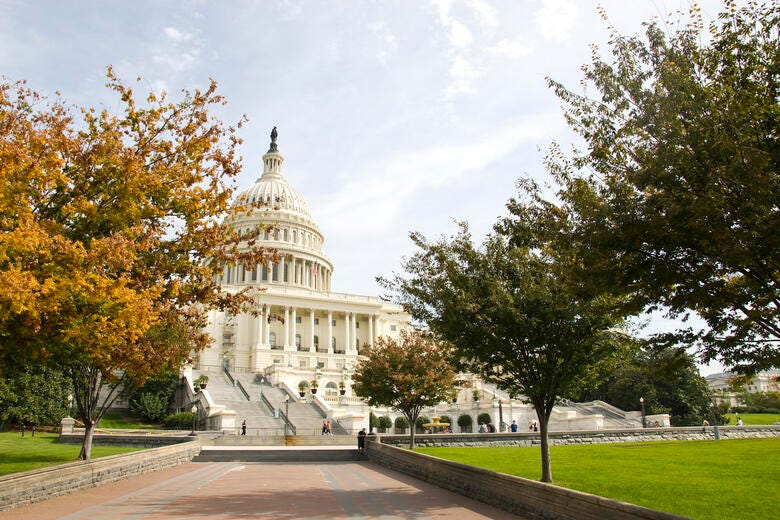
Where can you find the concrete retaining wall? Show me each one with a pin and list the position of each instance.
(517, 495)
(583, 437)
(137, 440)
(35, 485)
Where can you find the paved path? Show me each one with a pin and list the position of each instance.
(333, 490)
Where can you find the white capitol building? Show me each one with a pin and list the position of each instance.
(262, 369)
(305, 331)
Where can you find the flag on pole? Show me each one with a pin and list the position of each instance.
(314, 268)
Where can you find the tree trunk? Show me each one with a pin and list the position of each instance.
(86, 446)
(545, 445)
(412, 428)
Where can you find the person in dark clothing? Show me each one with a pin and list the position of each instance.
(362, 441)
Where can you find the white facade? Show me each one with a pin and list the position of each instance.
(305, 331)
(721, 387)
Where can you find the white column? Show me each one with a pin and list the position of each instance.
(329, 344)
(346, 331)
(371, 330)
(311, 330)
(266, 326)
(294, 326)
(286, 326)
(282, 266)
(260, 321)
(353, 333)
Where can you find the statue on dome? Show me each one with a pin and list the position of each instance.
(273, 147)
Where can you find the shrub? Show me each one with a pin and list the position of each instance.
(464, 421)
(401, 424)
(484, 418)
(419, 423)
(179, 421)
(445, 419)
(383, 423)
(150, 407)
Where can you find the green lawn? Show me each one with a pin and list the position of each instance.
(699, 479)
(19, 453)
(754, 418)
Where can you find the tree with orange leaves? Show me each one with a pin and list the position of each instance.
(112, 236)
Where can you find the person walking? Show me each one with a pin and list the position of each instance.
(324, 428)
(327, 428)
(361, 441)
(243, 427)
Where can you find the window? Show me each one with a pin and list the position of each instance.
(333, 343)
(316, 321)
(333, 323)
(298, 341)
(357, 324)
(254, 275)
(320, 364)
(297, 319)
(303, 363)
(277, 360)
(272, 339)
(393, 328)
(316, 341)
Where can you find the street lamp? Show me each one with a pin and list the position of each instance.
(642, 402)
(286, 412)
(715, 423)
(194, 411)
(500, 416)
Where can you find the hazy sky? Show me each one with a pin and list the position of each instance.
(392, 115)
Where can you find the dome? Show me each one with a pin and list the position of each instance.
(276, 193)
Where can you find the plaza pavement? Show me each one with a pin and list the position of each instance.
(304, 490)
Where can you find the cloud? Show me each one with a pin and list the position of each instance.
(388, 41)
(484, 12)
(510, 48)
(373, 204)
(555, 18)
(174, 34)
(460, 36)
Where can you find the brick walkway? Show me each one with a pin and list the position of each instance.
(333, 490)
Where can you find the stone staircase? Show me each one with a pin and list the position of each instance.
(280, 455)
(262, 409)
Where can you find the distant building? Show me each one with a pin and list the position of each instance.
(721, 387)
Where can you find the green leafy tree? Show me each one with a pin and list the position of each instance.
(666, 378)
(409, 374)
(401, 423)
(34, 395)
(464, 421)
(112, 236)
(383, 423)
(518, 310)
(677, 191)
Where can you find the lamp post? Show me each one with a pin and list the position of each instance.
(644, 421)
(500, 416)
(194, 411)
(715, 422)
(286, 412)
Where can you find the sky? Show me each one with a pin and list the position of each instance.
(393, 116)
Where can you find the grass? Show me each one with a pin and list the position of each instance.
(737, 478)
(19, 453)
(754, 418)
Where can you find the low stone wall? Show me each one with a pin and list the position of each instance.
(135, 440)
(584, 437)
(35, 485)
(528, 498)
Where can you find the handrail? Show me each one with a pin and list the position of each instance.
(268, 403)
(287, 421)
(243, 390)
(227, 373)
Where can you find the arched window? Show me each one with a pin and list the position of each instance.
(285, 235)
(272, 339)
(331, 388)
(298, 341)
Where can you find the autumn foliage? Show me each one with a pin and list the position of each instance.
(112, 234)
